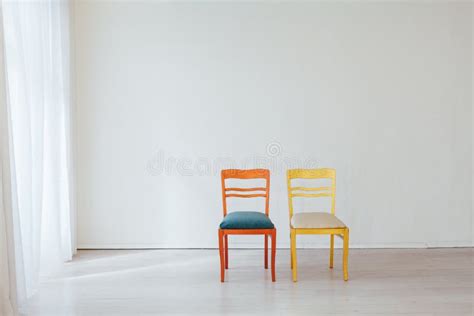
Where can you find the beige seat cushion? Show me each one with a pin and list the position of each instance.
(316, 220)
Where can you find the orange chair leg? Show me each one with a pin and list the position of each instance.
(266, 251)
(221, 253)
(273, 254)
(226, 247)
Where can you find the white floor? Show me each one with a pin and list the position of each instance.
(152, 282)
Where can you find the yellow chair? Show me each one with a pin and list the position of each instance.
(316, 223)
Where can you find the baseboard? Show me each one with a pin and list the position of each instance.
(309, 245)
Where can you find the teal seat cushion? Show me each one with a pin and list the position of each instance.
(246, 220)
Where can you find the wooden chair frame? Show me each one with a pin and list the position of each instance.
(306, 192)
(246, 193)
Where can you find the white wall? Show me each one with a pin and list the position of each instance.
(472, 124)
(381, 92)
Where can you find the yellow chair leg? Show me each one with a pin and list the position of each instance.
(293, 254)
(345, 255)
(331, 252)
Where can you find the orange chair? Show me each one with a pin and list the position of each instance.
(245, 223)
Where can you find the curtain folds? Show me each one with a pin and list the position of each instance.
(37, 65)
(7, 264)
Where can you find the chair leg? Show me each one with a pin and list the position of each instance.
(266, 252)
(226, 247)
(274, 235)
(293, 254)
(345, 256)
(331, 252)
(221, 253)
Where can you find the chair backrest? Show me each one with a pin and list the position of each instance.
(245, 192)
(307, 192)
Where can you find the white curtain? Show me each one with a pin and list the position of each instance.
(7, 285)
(37, 64)
(7, 254)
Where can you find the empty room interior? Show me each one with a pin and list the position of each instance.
(236, 157)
